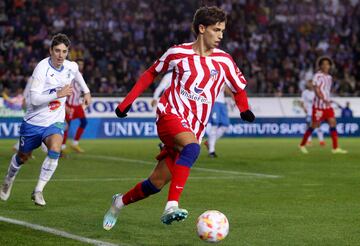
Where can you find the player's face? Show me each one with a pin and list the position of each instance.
(325, 66)
(58, 55)
(213, 35)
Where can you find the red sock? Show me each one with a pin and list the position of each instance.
(78, 134)
(133, 195)
(179, 176)
(334, 137)
(65, 136)
(306, 136)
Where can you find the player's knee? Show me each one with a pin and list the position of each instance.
(148, 187)
(53, 154)
(83, 122)
(189, 154)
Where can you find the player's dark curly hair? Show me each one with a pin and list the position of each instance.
(207, 16)
(321, 59)
(60, 38)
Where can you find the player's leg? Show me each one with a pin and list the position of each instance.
(320, 136)
(159, 177)
(188, 148)
(308, 122)
(27, 144)
(79, 114)
(17, 160)
(53, 138)
(334, 137)
(211, 142)
(308, 133)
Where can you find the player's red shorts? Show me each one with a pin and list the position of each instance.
(74, 112)
(319, 115)
(168, 126)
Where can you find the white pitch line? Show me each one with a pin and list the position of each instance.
(119, 179)
(56, 232)
(113, 158)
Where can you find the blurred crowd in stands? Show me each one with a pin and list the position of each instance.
(274, 42)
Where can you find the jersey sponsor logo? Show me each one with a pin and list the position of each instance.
(54, 105)
(194, 96)
(52, 90)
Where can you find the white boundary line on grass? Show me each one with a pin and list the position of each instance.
(56, 232)
(114, 158)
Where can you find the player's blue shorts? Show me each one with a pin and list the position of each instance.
(31, 136)
(219, 115)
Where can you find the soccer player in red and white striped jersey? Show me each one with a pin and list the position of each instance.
(74, 109)
(322, 109)
(199, 72)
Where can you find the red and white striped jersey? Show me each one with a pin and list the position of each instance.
(75, 98)
(195, 84)
(323, 82)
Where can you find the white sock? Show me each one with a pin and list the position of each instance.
(320, 134)
(170, 204)
(75, 142)
(119, 202)
(220, 132)
(14, 168)
(309, 138)
(47, 170)
(212, 139)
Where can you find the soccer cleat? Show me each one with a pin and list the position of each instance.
(38, 198)
(303, 149)
(6, 189)
(77, 148)
(212, 155)
(112, 214)
(322, 143)
(339, 151)
(173, 214)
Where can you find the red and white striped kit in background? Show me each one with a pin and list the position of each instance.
(323, 82)
(196, 82)
(75, 98)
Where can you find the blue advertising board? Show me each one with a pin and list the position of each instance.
(146, 128)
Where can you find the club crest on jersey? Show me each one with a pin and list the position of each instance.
(54, 105)
(214, 74)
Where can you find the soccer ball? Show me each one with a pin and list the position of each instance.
(212, 226)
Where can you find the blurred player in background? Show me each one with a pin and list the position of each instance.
(322, 109)
(218, 122)
(307, 99)
(45, 115)
(74, 109)
(199, 71)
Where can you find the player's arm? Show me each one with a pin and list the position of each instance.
(236, 81)
(148, 77)
(79, 79)
(37, 98)
(302, 102)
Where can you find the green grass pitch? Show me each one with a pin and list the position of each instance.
(312, 200)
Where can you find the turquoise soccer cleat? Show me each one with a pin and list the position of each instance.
(112, 214)
(173, 214)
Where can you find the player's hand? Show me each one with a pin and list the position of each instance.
(65, 91)
(122, 114)
(153, 103)
(87, 100)
(247, 116)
